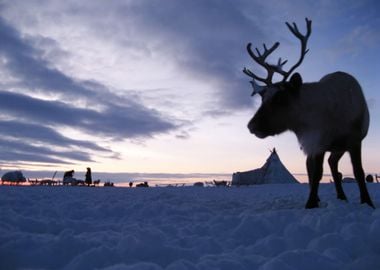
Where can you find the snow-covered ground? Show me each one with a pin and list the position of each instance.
(260, 227)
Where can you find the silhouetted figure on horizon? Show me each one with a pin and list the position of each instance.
(68, 178)
(145, 184)
(130, 184)
(96, 182)
(68, 174)
(369, 178)
(220, 183)
(88, 179)
(108, 184)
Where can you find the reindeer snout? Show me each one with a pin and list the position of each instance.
(251, 127)
(255, 130)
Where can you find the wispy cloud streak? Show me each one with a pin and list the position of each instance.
(88, 107)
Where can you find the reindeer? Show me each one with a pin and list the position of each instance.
(330, 115)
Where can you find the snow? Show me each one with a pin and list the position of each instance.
(260, 227)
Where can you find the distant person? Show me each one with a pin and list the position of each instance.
(130, 184)
(88, 179)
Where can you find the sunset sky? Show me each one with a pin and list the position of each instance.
(156, 86)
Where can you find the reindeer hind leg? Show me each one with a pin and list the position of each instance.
(337, 176)
(356, 160)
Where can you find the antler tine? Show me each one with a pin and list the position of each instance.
(294, 29)
(297, 33)
(308, 26)
(303, 39)
(260, 59)
(254, 76)
(281, 64)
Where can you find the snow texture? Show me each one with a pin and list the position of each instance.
(260, 227)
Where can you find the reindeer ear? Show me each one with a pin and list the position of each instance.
(296, 81)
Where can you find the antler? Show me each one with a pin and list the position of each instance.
(271, 69)
(260, 59)
(303, 39)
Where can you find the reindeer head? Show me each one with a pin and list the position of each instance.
(271, 118)
(260, 58)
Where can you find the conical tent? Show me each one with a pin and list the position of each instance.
(272, 172)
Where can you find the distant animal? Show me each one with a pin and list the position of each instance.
(348, 180)
(220, 183)
(48, 182)
(145, 184)
(34, 182)
(68, 174)
(369, 178)
(198, 184)
(330, 115)
(78, 182)
(96, 182)
(108, 184)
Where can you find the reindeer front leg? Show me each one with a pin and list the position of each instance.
(314, 165)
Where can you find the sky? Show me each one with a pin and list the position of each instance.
(154, 86)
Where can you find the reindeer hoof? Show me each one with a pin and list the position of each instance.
(369, 202)
(342, 197)
(312, 204)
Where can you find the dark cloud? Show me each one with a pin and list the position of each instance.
(26, 64)
(17, 150)
(87, 106)
(16, 156)
(34, 133)
(115, 121)
(208, 38)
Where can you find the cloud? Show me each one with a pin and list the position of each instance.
(16, 150)
(115, 121)
(41, 134)
(193, 51)
(354, 43)
(32, 72)
(204, 40)
(51, 99)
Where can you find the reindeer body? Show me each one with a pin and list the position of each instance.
(327, 116)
